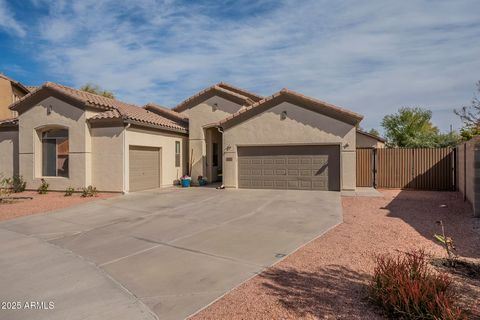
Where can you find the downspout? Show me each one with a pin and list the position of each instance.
(124, 156)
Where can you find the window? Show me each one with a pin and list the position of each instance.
(55, 153)
(215, 154)
(177, 153)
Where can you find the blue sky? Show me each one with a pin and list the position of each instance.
(368, 56)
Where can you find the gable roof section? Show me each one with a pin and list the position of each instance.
(296, 98)
(113, 109)
(221, 89)
(371, 135)
(166, 112)
(253, 96)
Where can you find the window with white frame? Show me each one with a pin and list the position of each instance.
(55, 153)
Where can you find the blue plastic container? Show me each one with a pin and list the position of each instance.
(186, 183)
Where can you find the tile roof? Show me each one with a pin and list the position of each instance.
(321, 106)
(114, 109)
(31, 88)
(222, 89)
(166, 112)
(255, 97)
(9, 122)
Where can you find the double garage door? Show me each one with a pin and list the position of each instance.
(145, 163)
(289, 167)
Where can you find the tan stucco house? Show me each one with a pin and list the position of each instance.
(223, 133)
(10, 92)
(74, 139)
(367, 140)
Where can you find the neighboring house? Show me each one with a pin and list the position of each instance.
(367, 140)
(10, 92)
(74, 138)
(223, 133)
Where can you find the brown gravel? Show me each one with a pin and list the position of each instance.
(326, 278)
(42, 203)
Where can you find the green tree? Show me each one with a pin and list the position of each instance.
(470, 116)
(413, 128)
(374, 132)
(410, 128)
(96, 89)
(449, 139)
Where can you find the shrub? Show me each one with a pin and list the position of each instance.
(406, 287)
(5, 189)
(18, 184)
(69, 191)
(43, 189)
(89, 191)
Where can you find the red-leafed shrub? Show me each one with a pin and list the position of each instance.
(406, 287)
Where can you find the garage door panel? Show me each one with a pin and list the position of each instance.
(290, 167)
(144, 168)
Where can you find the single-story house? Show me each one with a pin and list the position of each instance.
(368, 140)
(73, 138)
(223, 133)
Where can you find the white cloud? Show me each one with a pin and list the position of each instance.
(372, 58)
(8, 22)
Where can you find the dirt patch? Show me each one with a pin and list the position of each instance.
(326, 279)
(42, 203)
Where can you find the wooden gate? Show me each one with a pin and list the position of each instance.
(365, 167)
(425, 169)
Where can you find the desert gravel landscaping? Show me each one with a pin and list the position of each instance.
(326, 278)
(42, 203)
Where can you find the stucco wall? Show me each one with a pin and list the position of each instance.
(63, 115)
(199, 116)
(301, 127)
(364, 141)
(5, 98)
(8, 153)
(164, 140)
(107, 158)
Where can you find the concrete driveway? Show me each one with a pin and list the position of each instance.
(162, 253)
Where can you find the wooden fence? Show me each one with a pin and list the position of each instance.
(426, 169)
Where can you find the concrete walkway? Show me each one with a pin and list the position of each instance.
(173, 250)
(60, 284)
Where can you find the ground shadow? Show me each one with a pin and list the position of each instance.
(422, 209)
(331, 291)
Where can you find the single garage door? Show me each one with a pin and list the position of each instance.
(289, 167)
(144, 168)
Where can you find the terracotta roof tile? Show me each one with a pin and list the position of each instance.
(166, 112)
(321, 105)
(9, 122)
(222, 90)
(114, 109)
(255, 97)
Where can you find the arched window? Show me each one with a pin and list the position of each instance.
(55, 153)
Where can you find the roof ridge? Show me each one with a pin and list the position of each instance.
(206, 90)
(285, 91)
(112, 108)
(233, 88)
